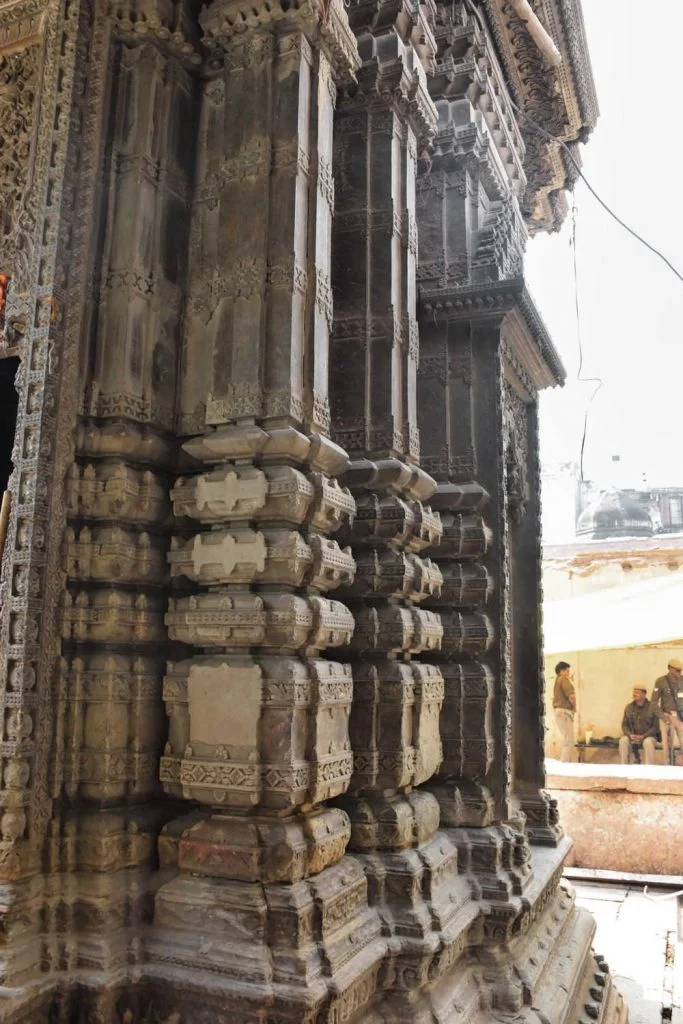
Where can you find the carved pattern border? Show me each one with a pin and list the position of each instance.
(48, 380)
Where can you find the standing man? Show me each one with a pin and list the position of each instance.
(639, 725)
(667, 696)
(564, 706)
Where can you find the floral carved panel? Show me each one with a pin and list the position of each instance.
(19, 87)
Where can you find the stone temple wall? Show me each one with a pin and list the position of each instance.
(272, 701)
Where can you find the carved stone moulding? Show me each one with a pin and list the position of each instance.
(110, 553)
(392, 629)
(542, 818)
(465, 720)
(122, 440)
(391, 573)
(390, 517)
(227, 22)
(465, 537)
(394, 726)
(169, 23)
(261, 848)
(114, 616)
(412, 873)
(20, 72)
(311, 950)
(269, 731)
(116, 490)
(561, 99)
(106, 841)
(275, 493)
(113, 727)
(269, 446)
(497, 862)
(286, 621)
(275, 557)
(464, 586)
(466, 634)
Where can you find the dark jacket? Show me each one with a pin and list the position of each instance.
(643, 721)
(665, 695)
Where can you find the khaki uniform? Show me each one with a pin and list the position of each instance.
(667, 697)
(564, 716)
(639, 721)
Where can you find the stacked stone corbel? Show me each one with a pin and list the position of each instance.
(109, 723)
(381, 127)
(411, 867)
(484, 355)
(258, 730)
(262, 915)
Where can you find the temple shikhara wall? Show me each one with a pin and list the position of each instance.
(272, 679)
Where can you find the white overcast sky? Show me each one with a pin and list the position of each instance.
(631, 305)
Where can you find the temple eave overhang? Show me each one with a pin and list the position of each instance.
(561, 100)
(510, 303)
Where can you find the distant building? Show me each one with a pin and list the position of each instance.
(670, 504)
(616, 513)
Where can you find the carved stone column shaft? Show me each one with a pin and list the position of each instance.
(258, 720)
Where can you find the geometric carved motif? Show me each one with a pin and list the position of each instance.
(18, 92)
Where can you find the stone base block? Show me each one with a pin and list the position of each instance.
(264, 848)
(311, 953)
(391, 822)
(597, 803)
(293, 948)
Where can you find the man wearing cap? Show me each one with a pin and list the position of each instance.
(564, 707)
(667, 696)
(639, 726)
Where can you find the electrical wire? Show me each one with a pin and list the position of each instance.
(583, 380)
(610, 211)
(570, 156)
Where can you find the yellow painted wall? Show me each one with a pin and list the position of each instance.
(604, 678)
(603, 682)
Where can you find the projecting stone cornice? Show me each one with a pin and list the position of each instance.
(224, 21)
(529, 349)
(562, 99)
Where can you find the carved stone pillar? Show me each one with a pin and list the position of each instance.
(110, 723)
(262, 894)
(49, 106)
(412, 868)
(340, 655)
(484, 355)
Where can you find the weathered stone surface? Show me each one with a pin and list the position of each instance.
(275, 474)
(597, 802)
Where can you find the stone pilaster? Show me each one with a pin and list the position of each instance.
(50, 108)
(381, 127)
(109, 727)
(484, 355)
(259, 891)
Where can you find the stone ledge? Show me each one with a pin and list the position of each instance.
(621, 817)
(634, 778)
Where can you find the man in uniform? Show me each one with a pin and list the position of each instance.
(667, 696)
(564, 707)
(639, 726)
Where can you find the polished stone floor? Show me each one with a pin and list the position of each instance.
(637, 935)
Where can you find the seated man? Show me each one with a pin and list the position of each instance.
(639, 725)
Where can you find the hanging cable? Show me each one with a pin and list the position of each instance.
(581, 379)
(610, 211)
(570, 156)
